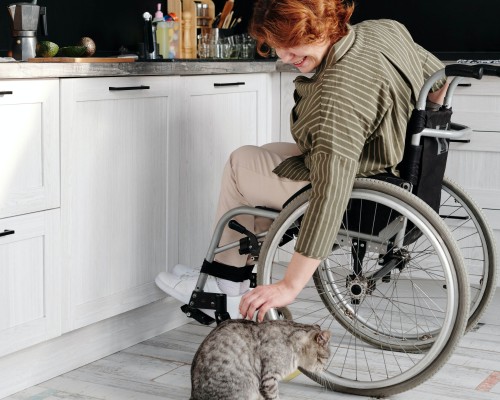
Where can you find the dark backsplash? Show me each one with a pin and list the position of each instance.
(110, 23)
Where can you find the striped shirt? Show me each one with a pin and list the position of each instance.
(349, 120)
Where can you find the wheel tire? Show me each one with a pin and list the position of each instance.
(427, 355)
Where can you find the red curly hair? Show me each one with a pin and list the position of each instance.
(292, 23)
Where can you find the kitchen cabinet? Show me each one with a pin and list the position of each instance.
(29, 146)
(115, 140)
(220, 113)
(29, 214)
(29, 280)
(476, 165)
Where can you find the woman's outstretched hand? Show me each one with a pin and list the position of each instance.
(282, 293)
(262, 298)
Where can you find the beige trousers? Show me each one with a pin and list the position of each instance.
(248, 180)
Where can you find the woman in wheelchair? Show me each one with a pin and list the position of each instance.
(349, 120)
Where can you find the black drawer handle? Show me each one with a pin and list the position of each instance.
(229, 84)
(6, 92)
(142, 87)
(465, 84)
(459, 140)
(7, 232)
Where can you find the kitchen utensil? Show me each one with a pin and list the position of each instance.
(25, 20)
(234, 23)
(149, 37)
(228, 7)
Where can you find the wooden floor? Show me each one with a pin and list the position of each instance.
(159, 369)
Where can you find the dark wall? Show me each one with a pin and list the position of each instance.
(451, 29)
(111, 23)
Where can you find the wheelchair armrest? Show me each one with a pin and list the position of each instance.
(457, 131)
(466, 133)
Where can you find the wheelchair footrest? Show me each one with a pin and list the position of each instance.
(208, 301)
(198, 315)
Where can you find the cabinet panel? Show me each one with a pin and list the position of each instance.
(476, 167)
(29, 280)
(114, 193)
(478, 105)
(29, 146)
(221, 113)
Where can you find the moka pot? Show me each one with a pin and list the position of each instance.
(25, 19)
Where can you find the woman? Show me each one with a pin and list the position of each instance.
(349, 120)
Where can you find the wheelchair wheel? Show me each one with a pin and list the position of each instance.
(476, 243)
(396, 309)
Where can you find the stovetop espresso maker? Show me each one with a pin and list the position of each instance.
(26, 20)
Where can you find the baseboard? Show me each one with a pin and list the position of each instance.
(49, 359)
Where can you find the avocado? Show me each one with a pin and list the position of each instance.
(45, 48)
(72, 51)
(89, 45)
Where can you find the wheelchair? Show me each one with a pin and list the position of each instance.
(413, 266)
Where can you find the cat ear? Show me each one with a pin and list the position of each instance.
(323, 338)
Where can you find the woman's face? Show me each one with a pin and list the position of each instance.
(306, 58)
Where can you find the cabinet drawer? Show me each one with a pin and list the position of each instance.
(478, 105)
(213, 84)
(476, 167)
(29, 280)
(29, 146)
(116, 88)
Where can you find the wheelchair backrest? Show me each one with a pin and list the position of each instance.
(424, 165)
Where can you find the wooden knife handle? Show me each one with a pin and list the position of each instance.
(228, 7)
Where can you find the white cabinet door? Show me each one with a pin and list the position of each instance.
(476, 165)
(220, 114)
(114, 160)
(29, 146)
(29, 280)
(476, 104)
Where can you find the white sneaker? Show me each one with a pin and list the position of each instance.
(181, 288)
(181, 270)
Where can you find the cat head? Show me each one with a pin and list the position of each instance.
(316, 349)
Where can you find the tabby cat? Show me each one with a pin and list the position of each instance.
(244, 360)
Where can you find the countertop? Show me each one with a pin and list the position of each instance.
(24, 70)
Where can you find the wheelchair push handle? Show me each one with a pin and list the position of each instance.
(491, 70)
(475, 71)
(459, 71)
(465, 71)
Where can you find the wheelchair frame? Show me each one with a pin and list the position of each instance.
(431, 347)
